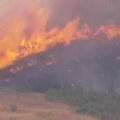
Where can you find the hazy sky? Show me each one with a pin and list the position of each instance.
(93, 11)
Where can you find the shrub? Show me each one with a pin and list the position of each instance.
(13, 108)
(100, 105)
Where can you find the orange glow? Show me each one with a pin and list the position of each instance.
(23, 34)
(111, 31)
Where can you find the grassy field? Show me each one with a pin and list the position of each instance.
(105, 106)
(35, 106)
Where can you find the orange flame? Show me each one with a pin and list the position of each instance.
(111, 31)
(25, 34)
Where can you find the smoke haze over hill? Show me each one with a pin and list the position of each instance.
(50, 52)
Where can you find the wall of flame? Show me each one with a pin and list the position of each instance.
(24, 30)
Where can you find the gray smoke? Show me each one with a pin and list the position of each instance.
(95, 12)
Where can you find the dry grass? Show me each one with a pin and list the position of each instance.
(33, 106)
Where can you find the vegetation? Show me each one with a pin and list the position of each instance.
(13, 108)
(34, 106)
(105, 106)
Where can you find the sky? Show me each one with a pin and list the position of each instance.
(92, 11)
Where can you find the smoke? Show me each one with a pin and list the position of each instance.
(8, 7)
(94, 12)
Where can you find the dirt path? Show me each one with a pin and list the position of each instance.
(28, 106)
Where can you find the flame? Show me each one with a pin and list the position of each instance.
(111, 31)
(23, 34)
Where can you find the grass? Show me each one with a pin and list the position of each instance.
(105, 106)
(34, 106)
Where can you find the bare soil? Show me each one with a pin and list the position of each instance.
(34, 106)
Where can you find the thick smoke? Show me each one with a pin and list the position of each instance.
(95, 12)
(8, 7)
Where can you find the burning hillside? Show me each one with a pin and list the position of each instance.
(26, 32)
(50, 44)
(85, 65)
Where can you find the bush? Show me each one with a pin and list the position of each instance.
(100, 105)
(13, 108)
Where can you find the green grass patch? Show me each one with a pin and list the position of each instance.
(13, 108)
(105, 106)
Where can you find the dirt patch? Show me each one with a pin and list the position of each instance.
(32, 106)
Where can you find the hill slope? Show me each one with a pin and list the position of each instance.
(86, 65)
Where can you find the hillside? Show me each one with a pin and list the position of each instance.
(86, 65)
(34, 106)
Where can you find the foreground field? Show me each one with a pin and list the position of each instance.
(105, 106)
(34, 106)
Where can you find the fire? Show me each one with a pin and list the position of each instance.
(23, 34)
(111, 31)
